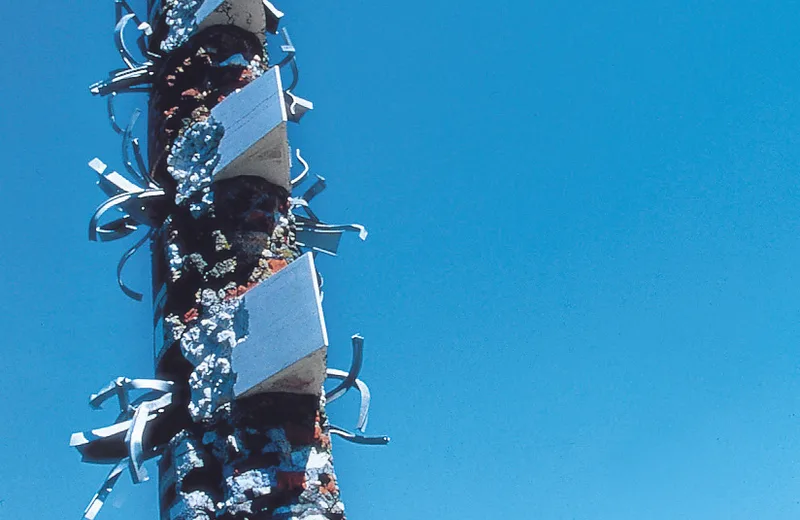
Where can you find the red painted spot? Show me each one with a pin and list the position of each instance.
(190, 316)
(291, 480)
(276, 264)
(192, 92)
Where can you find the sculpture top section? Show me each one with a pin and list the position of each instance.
(175, 21)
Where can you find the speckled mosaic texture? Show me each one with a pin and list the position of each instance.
(261, 458)
(193, 80)
(267, 456)
(214, 257)
(180, 18)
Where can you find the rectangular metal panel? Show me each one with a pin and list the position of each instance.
(286, 347)
(255, 140)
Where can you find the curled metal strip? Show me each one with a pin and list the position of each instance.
(295, 75)
(143, 172)
(117, 229)
(121, 386)
(302, 203)
(287, 47)
(273, 16)
(297, 180)
(112, 115)
(352, 375)
(107, 205)
(318, 227)
(127, 143)
(145, 30)
(99, 499)
(120, 200)
(125, 81)
(121, 265)
(133, 420)
(137, 155)
(141, 203)
(363, 413)
(141, 413)
(119, 39)
(118, 388)
(134, 438)
(315, 189)
(134, 441)
(297, 106)
(359, 439)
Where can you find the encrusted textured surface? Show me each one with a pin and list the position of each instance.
(180, 18)
(193, 80)
(268, 455)
(265, 457)
(215, 197)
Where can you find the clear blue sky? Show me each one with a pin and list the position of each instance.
(579, 292)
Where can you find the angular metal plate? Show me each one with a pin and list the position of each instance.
(255, 141)
(286, 348)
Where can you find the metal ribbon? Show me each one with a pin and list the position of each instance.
(135, 199)
(99, 499)
(134, 419)
(312, 233)
(350, 380)
(135, 202)
(131, 143)
(296, 106)
(320, 237)
(112, 116)
(119, 39)
(130, 293)
(137, 72)
(363, 389)
(319, 227)
(125, 81)
(360, 439)
(273, 16)
(116, 229)
(352, 375)
(132, 203)
(300, 178)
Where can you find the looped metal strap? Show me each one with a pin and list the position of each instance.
(134, 418)
(352, 375)
(350, 380)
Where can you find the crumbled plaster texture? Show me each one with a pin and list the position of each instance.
(180, 18)
(265, 458)
(218, 273)
(193, 80)
(191, 163)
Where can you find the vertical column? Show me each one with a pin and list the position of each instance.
(236, 410)
(219, 140)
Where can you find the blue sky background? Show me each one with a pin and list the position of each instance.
(579, 293)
